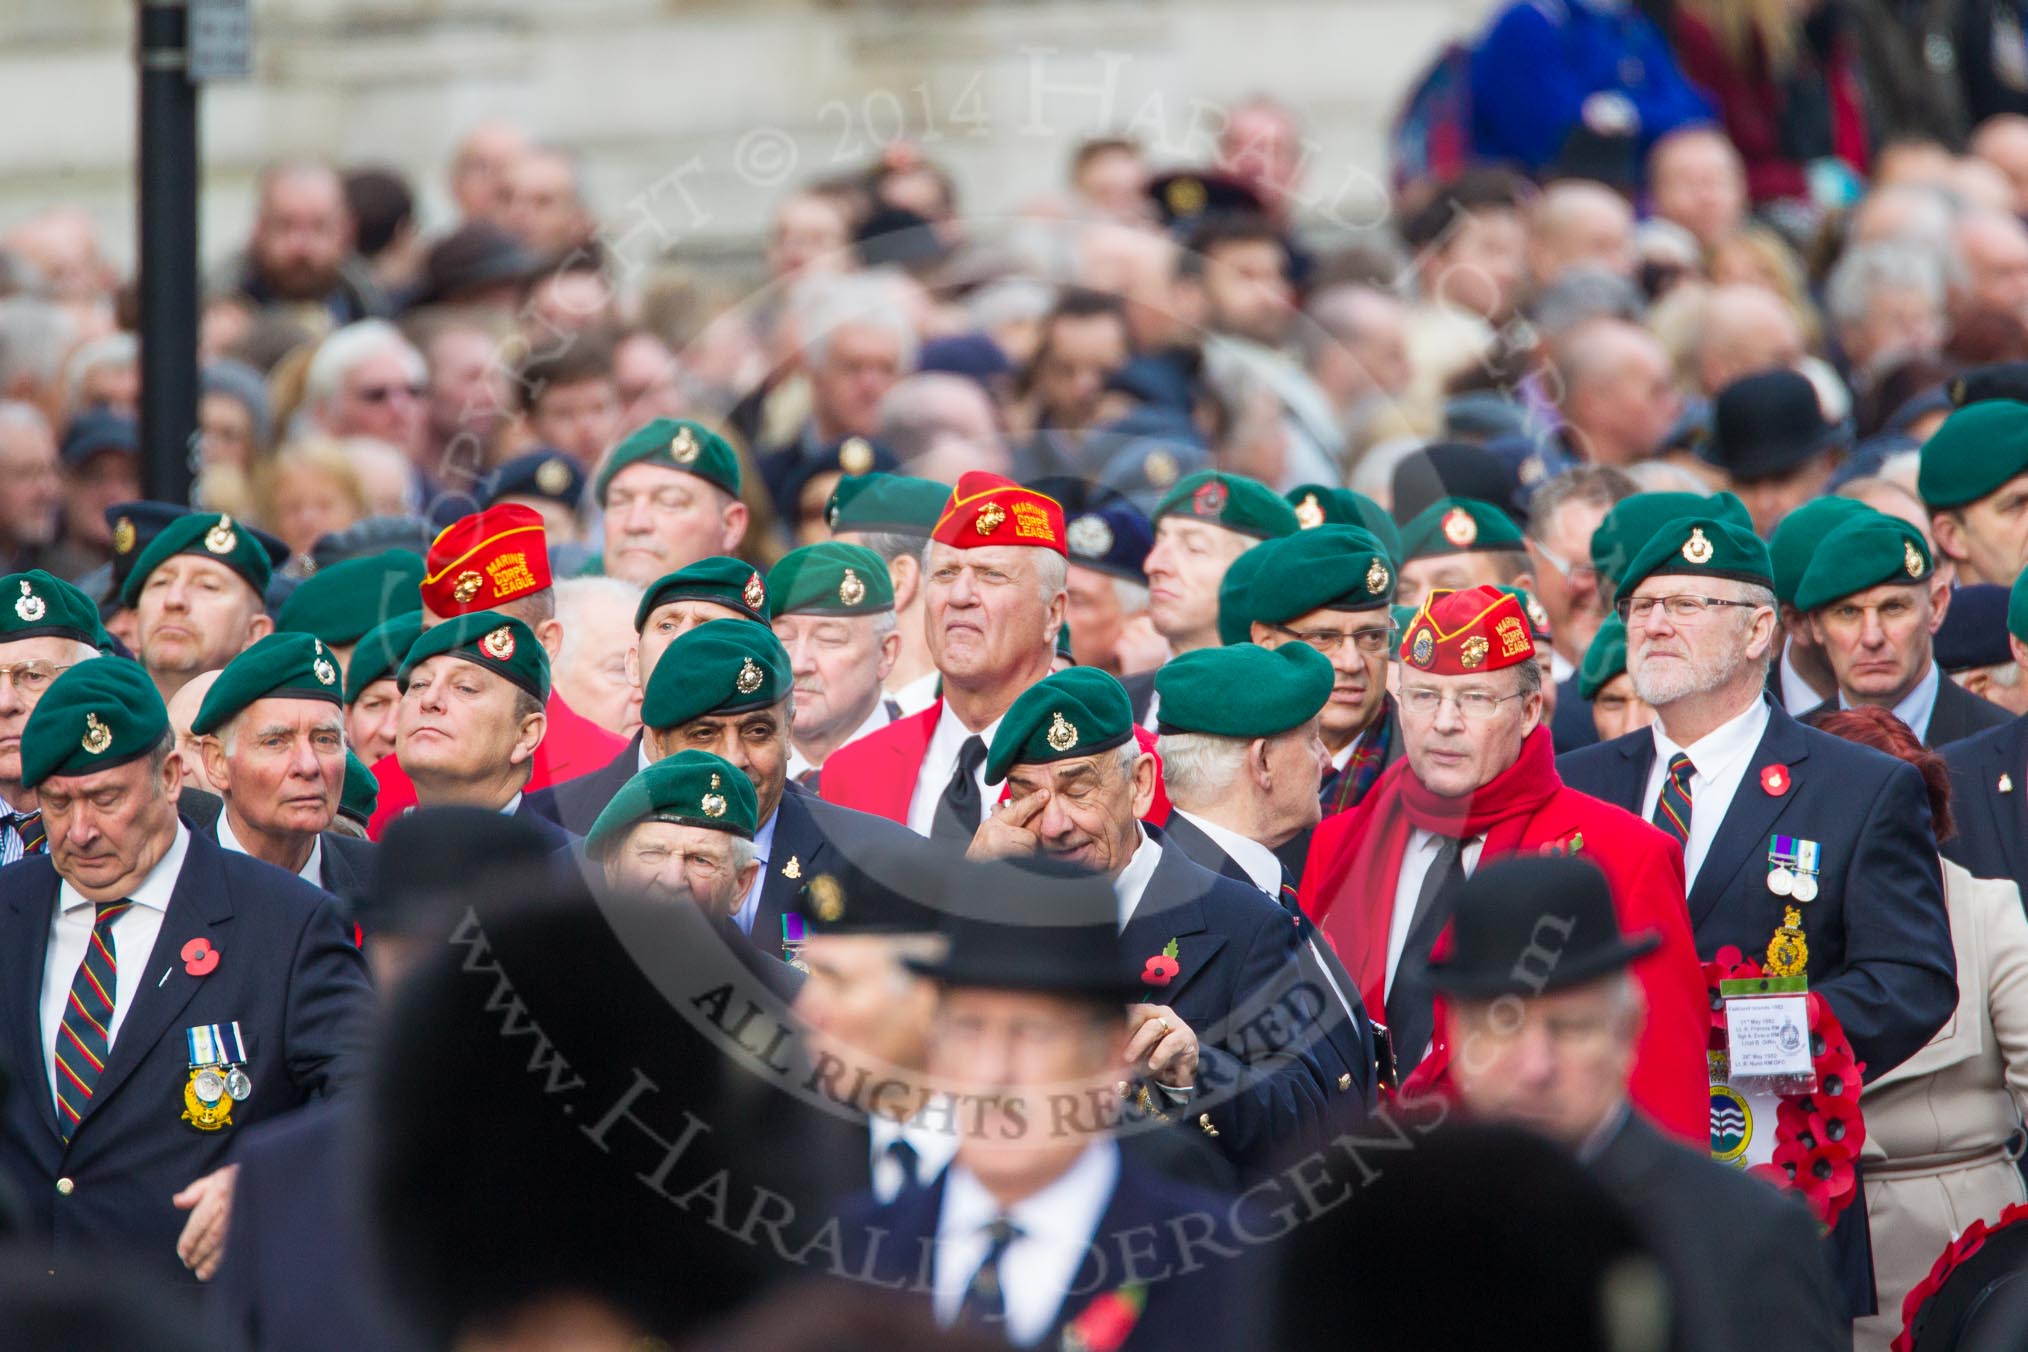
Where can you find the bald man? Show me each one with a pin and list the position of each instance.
(1746, 329)
(480, 166)
(2002, 141)
(1619, 394)
(1697, 180)
(1993, 248)
(1579, 224)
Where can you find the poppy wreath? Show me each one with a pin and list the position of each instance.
(1817, 1134)
(1955, 1253)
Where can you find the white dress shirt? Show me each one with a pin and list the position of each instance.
(1415, 866)
(918, 694)
(1916, 706)
(12, 846)
(1560, 668)
(799, 764)
(1720, 757)
(134, 933)
(312, 871)
(939, 763)
(1058, 1225)
(934, 1146)
(1153, 714)
(763, 845)
(1258, 861)
(1798, 695)
(1134, 878)
(512, 805)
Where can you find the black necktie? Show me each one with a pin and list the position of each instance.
(904, 1154)
(957, 816)
(985, 1299)
(1410, 1016)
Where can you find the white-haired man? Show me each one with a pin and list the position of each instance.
(366, 380)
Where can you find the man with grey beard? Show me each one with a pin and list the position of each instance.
(1807, 852)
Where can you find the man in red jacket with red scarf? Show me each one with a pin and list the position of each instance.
(1478, 782)
(498, 559)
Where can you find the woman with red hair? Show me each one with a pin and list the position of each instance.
(1938, 1125)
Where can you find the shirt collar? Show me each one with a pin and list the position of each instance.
(951, 734)
(1134, 878)
(1735, 737)
(1918, 705)
(156, 889)
(1066, 1212)
(764, 840)
(934, 1146)
(1257, 859)
(312, 870)
(799, 764)
(512, 805)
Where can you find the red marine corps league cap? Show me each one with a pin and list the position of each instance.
(1457, 633)
(483, 561)
(985, 509)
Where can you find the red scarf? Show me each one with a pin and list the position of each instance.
(1353, 900)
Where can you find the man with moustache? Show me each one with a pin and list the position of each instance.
(47, 627)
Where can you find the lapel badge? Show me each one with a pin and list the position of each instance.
(30, 607)
(2006, 784)
(1775, 780)
(793, 869)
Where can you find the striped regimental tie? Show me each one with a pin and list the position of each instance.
(84, 1038)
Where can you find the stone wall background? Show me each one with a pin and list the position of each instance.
(720, 103)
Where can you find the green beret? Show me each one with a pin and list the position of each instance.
(1458, 526)
(1322, 505)
(723, 581)
(1604, 659)
(1633, 521)
(832, 578)
(341, 603)
(1328, 568)
(1233, 501)
(1538, 618)
(886, 504)
(361, 793)
(1235, 615)
(1079, 712)
(2017, 608)
(673, 443)
(36, 604)
(694, 788)
(1402, 616)
(283, 666)
(105, 711)
(1797, 536)
(379, 651)
(1869, 550)
(1242, 691)
(720, 667)
(209, 535)
(1699, 546)
(1977, 449)
(500, 643)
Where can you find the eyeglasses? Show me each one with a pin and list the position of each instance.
(1636, 609)
(31, 678)
(1476, 706)
(1579, 573)
(382, 394)
(1329, 641)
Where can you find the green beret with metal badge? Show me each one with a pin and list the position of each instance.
(887, 504)
(673, 443)
(279, 666)
(361, 793)
(208, 535)
(340, 604)
(1797, 536)
(1872, 549)
(720, 580)
(720, 667)
(1458, 526)
(1633, 521)
(500, 643)
(36, 604)
(1079, 712)
(1327, 568)
(1235, 616)
(832, 578)
(693, 788)
(378, 654)
(1700, 546)
(1242, 691)
(1233, 501)
(1322, 505)
(1977, 449)
(1604, 659)
(105, 711)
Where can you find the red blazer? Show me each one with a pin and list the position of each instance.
(877, 773)
(1671, 1081)
(572, 745)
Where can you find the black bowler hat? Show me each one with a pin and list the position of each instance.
(134, 526)
(1769, 423)
(372, 536)
(1983, 384)
(1981, 1301)
(1032, 925)
(1452, 469)
(1530, 924)
(1974, 630)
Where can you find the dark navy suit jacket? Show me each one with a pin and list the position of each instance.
(1880, 943)
(1989, 802)
(1190, 1303)
(1958, 714)
(576, 803)
(1345, 1052)
(287, 973)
